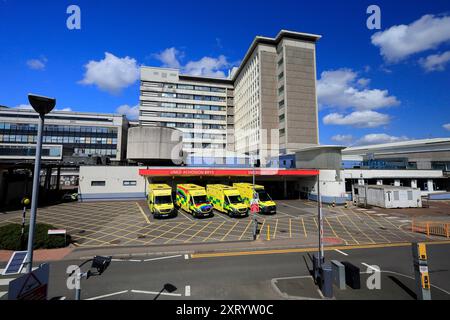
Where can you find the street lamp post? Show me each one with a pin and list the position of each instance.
(320, 218)
(42, 105)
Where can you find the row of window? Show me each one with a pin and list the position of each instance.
(55, 128)
(191, 135)
(102, 183)
(29, 151)
(188, 106)
(95, 151)
(183, 86)
(182, 96)
(192, 125)
(187, 115)
(57, 139)
(204, 145)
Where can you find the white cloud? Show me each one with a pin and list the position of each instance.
(359, 119)
(132, 113)
(435, 62)
(206, 66)
(343, 138)
(400, 41)
(37, 64)
(446, 126)
(169, 57)
(338, 88)
(376, 138)
(111, 74)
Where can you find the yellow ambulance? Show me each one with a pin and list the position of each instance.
(266, 204)
(192, 199)
(226, 199)
(160, 200)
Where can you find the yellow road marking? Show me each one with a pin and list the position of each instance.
(275, 230)
(335, 234)
(229, 231)
(280, 251)
(184, 215)
(261, 229)
(304, 228)
(290, 228)
(317, 226)
(248, 225)
(370, 217)
(198, 231)
(167, 231)
(345, 228)
(143, 213)
(179, 234)
(365, 235)
(209, 236)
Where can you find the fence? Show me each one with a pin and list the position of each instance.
(433, 228)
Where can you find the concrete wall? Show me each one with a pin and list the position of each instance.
(154, 143)
(114, 188)
(318, 158)
(301, 107)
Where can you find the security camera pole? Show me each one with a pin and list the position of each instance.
(42, 105)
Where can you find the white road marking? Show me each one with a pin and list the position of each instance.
(160, 258)
(337, 250)
(156, 293)
(390, 218)
(2, 293)
(187, 291)
(361, 209)
(405, 221)
(135, 260)
(125, 260)
(5, 282)
(371, 211)
(108, 295)
(370, 267)
(186, 256)
(381, 214)
(62, 298)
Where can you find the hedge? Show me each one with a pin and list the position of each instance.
(10, 237)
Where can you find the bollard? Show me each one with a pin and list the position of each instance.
(268, 232)
(327, 281)
(338, 274)
(352, 275)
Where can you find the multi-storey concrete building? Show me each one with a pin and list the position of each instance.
(269, 100)
(197, 106)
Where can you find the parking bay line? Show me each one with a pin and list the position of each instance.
(229, 231)
(341, 252)
(209, 236)
(157, 293)
(187, 291)
(143, 213)
(195, 234)
(245, 230)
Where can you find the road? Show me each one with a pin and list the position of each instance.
(244, 276)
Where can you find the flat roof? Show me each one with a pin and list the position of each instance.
(407, 143)
(186, 171)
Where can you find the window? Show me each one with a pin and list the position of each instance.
(281, 117)
(98, 183)
(282, 132)
(410, 195)
(396, 196)
(129, 183)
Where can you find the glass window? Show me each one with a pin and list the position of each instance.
(98, 183)
(129, 183)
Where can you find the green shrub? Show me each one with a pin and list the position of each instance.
(10, 237)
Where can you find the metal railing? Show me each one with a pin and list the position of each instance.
(432, 228)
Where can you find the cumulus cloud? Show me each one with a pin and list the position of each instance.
(131, 112)
(343, 138)
(376, 138)
(37, 64)
(206, 66)
(169, 58)
(446, 126)
(435, 62)
(340, 88)
(400, 41)
(359, 119)
(111, 74)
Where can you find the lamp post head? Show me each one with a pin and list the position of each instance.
(41, 104)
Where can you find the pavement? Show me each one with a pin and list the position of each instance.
(270, 274)
(129, 224)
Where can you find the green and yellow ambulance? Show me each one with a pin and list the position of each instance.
(226, 199)
(192, 199)
(160, 200)
(265, 202)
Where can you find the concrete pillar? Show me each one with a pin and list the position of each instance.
(379, 182)
(285, 188)
(413, 183)
(430, 185)
(397, 182)
(58, 178)
(361, 182)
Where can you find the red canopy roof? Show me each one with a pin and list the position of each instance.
(226, 172)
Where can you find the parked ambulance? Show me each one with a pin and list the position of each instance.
(192, 199)
(226, 199)
(160, 200)
(266, 204)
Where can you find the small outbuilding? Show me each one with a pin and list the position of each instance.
(387, 196)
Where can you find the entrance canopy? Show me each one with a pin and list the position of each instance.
(186, 172)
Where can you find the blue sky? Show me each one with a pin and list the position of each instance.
(373, 87)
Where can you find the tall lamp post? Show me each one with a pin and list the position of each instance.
(42, 105)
